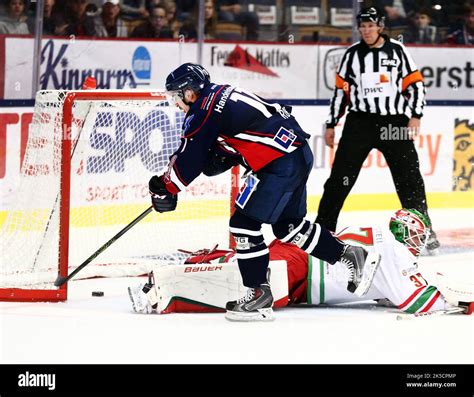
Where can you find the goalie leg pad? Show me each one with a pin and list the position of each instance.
(208, 287)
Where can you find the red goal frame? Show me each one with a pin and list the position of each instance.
(60, 294)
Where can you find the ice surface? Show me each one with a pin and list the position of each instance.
(92, 330)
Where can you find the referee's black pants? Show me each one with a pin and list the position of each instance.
(363, 132)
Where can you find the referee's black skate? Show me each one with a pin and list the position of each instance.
(256, 305)
(362, 267)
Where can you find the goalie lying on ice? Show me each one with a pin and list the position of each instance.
(207, 281)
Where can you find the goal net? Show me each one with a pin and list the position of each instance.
(84, 177)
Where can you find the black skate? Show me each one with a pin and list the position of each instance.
(362, 266)
(255, 306)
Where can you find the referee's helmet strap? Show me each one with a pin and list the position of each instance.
(371, 14)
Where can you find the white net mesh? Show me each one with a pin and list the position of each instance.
(116, 147)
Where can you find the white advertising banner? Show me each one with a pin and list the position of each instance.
(271, 71)
(435, 147)
(292, 71)
(283, 71)
(443, 130)
(448, 72)
(14, 125)
(115, 64)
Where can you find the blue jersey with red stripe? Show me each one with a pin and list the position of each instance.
(237, 122)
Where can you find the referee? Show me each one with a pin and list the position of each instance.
(384, 92)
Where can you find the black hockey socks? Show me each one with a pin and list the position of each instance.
(251, 251)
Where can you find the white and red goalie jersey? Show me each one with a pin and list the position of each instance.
(397, 279)
(297, 278)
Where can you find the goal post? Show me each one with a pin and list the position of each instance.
(85, 176)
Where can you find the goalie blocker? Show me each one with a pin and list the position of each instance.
(297, 278)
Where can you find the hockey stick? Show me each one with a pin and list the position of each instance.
(61, 280)
(411, 316)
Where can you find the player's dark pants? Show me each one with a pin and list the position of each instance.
(276, 195)
(281, 190)
(362, 132)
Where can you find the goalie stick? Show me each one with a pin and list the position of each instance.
(434, 313)
(61, 280)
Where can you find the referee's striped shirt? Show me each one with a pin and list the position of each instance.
(383, 81)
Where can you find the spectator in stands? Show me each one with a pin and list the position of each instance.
(172, 17)
(464, 34)
(49, 24)
(189, 28)
(49, 19)
(71, 21)
(134, 10)
(150, 4)
(420, 30)
(185, 9)
(395, 11)
(231, 11)
(440, 11)
(107, 23)
(14, 22)
(156, 27)
(92, 7)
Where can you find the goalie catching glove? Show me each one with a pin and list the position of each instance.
(161, 199)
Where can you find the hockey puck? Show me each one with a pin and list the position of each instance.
(97, 293)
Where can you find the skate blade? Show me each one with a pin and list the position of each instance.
(260, 315)
(370, 268)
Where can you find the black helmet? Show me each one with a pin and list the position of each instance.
(188, 75)
(371, 14)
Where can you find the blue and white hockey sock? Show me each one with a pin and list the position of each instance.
(316, 240)
(251, 251)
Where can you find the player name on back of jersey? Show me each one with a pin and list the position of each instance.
(222, 101)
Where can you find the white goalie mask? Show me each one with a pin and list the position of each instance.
(410, 228)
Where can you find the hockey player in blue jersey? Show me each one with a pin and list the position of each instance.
(225, 126)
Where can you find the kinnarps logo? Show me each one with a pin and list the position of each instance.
(62, 70)
(141, 66)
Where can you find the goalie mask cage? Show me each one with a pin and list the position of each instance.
(84, 176)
